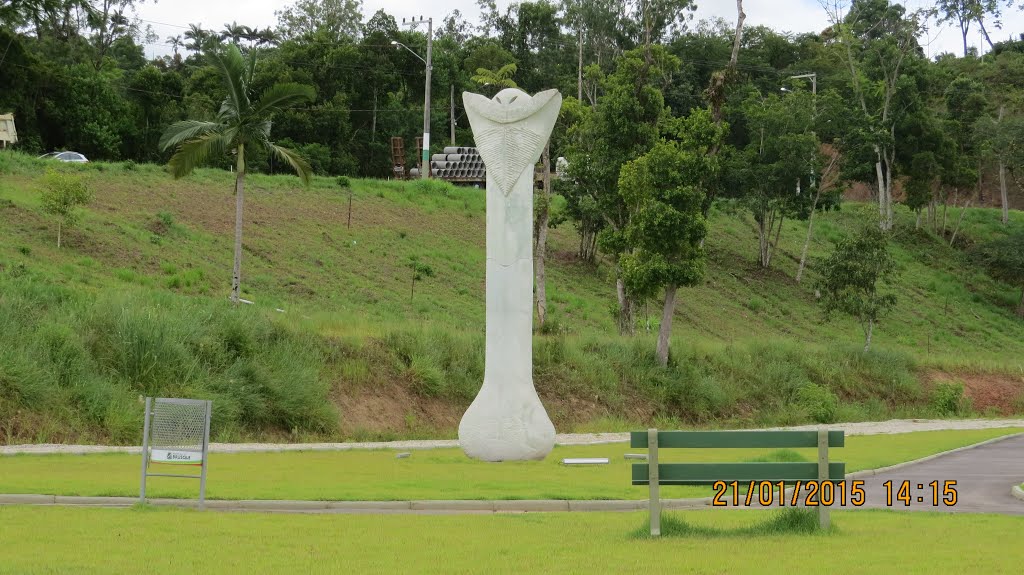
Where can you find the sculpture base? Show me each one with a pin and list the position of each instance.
(506, 424)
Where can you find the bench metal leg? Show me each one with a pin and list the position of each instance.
(654, 495)
(823, 476)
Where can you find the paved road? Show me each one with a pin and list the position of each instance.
(984, 476)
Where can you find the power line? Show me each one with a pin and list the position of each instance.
(557, 43)
(182, 96)
(303, 63)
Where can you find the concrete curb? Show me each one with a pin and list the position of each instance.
(883, 470)
(1017, 492)
(27, 499)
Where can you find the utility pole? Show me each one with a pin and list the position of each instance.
(414, 22)
(579, 67)
(452, 100)
(814, 176)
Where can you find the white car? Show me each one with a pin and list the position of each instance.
(74, 157)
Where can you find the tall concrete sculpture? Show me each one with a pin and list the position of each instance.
(507, 421)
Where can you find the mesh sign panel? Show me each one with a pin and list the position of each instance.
(176, 432)
(178, 425)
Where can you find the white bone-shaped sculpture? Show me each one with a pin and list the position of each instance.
(506, 421)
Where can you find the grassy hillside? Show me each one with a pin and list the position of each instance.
(335, 345)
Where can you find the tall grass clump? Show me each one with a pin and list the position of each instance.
(87, 360)
(435, 362)
(13, 162)
(789, 521)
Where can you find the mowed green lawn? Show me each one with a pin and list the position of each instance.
(432, 474)
(111, 541)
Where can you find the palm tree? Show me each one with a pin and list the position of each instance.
(498, 79)
(175, 43)
(241, 122)
(266, 37)
(198, 38)
(234, 31)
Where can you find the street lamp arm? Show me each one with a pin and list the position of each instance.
(411, 51)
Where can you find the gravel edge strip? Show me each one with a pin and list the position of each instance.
(896, 426)
(438, 506)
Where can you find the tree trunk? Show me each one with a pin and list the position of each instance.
(373, 125)
(882, 206)
(958, 222)
(412, 287)
(665, 333)
(807, 241)
(945, 205)
(1020, 306)
(58, 234)
(539, 252)
(625, 319)
(1003, 195)
(984, 33)
(236, 279)
(778, 233)
(741, 16)
(917, 226)
(762, 240)
(981, 183)
(868, 333)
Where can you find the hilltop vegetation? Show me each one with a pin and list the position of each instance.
(135, 302)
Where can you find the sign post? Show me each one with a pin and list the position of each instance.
(176, 432)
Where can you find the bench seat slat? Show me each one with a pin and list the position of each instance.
(736, 439)
(708, 473)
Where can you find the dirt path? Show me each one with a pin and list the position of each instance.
(863, 428)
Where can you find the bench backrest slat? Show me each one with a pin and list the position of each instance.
(736, 439)
(708, 473)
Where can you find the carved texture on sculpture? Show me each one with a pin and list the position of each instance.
(507, 420)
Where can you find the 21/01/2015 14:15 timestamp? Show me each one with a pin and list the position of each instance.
(830, 493)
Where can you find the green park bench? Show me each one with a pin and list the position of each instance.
(654, 474)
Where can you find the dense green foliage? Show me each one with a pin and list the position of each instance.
(669, 132)
(1004, 257)
(150, 254)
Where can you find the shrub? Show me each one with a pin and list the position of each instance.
(62, 195)
(820, 403)
(431, 187)
(948, 399)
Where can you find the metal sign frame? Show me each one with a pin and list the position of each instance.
(185, 452)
